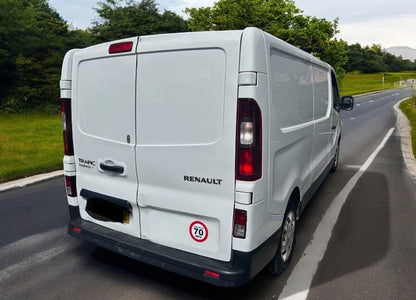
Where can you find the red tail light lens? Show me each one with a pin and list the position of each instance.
(120, 47)
(249, 141)
(67, 126)
(212, 274)
(71, 188)
(245, 166)
(240, 223)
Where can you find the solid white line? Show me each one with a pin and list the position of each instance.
(31, 242)
(350, 166)
(299, 281)
(34, 260)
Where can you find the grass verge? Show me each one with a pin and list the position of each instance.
(354, 84)
(29, 144)
(408, 107)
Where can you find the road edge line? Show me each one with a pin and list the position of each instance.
(299, 282)
(10, 185)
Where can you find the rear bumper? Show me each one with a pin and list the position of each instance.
(242, 267)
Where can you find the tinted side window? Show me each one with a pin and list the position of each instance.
(292, 89)
(321, 92)
(335, 93)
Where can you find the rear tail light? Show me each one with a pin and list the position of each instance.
(120, 47)
(67, 126)
(249, 141)
(240, 223)
(71, 188)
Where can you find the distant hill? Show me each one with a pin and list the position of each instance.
(404, 52)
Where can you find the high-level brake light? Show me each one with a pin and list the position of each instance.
(120, 47)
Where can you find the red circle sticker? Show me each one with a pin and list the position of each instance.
(198, 231)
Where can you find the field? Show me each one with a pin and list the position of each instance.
(354, 84)
(29, 144)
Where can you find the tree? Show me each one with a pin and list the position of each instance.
(29, 37)
(280, 18)
(33, 41)
(274, 16)
(126, 18)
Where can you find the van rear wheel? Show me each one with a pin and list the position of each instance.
(334, 166)
(287, 242)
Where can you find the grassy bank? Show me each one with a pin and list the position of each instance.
(354, 84)
(29, 144)
(408, 107)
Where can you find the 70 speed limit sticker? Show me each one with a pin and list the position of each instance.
(198, 231)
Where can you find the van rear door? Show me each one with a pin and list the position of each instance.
(186, 111)
(103, 97)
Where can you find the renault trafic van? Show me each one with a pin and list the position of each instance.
(197, 152)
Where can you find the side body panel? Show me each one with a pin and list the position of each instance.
(300, 122)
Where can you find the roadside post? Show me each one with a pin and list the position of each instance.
(414, 89)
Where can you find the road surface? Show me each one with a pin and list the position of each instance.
(369, 255)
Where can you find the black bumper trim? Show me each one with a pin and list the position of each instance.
(243, 265)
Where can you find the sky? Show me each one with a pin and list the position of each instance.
(385, 22)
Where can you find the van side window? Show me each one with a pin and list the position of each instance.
(292, 89)
(335, 93)
(321, 92)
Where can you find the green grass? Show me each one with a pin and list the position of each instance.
(354, 84)
(29, 144)
(408, 107)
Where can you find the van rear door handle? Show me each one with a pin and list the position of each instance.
(113, 169)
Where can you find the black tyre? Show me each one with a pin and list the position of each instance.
(287, 242)
(335, 160)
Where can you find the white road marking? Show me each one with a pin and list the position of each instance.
(28, 245)
(357, 105)
(299, 281)
(352, 118)
(32, 261)
(350, 166)
(371, 101)
(31, 241)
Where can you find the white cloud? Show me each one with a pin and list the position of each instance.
(353, 11)
(385, 22)
(179, 6)
(79, 13)
(389, 32)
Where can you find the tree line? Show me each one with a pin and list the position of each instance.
(34, 38)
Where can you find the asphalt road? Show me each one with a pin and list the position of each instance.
(370, 254)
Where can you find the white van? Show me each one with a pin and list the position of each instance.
(197, 152)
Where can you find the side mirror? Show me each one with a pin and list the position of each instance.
(347, 103)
